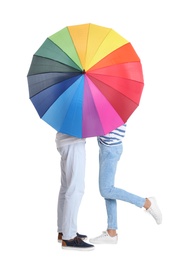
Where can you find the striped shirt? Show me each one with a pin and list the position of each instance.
(114, 137)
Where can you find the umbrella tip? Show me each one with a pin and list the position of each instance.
(83, 71)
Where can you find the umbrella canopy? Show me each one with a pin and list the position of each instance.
(85, 80)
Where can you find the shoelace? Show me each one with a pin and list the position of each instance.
(104, 234)
(77, 241)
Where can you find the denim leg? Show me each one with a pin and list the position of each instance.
(111, 208)
(72, 188)
(108, 159)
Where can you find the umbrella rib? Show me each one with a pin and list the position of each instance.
(101, 42)
(56, 61)
(111, 76)
(110, 87)
(60, 51)
(40, 82)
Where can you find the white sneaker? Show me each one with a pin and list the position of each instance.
(155, 211)
(104, 238)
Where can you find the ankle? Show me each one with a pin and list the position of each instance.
(112, 232)
(147, 204)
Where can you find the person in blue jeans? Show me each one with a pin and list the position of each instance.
(72, 164)
(110, 150)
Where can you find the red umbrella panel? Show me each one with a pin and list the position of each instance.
(85, 80)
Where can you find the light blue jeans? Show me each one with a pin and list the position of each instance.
(108, 159)
(73, 158)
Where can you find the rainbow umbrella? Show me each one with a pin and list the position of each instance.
(85, 80)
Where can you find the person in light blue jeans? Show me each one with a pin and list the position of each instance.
(110, 151)
(72, 164)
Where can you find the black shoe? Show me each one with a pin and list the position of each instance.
(76, 244)
(83, 237)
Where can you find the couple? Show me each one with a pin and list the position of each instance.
(73, 157)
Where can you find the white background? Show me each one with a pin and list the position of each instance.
(153, 161)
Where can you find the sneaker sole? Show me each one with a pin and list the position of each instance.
(106, 243)
(78, 248)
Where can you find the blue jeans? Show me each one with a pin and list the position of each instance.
(73, 158)
(108, 159)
